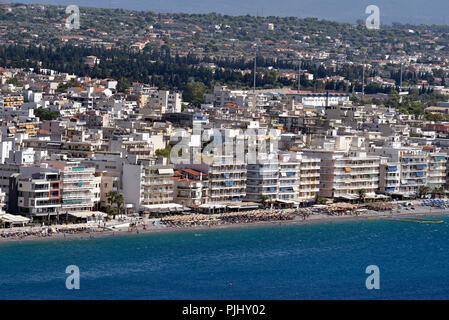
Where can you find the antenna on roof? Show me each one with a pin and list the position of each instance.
(363, 82)
(254, 80)
(255, 70)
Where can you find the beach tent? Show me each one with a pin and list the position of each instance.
(14, 220)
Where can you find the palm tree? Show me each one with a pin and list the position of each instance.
(423, 191)
(264, 201)
(362, 194)
(320, 200)
(116, 198)
(434, 193)
(441, 192)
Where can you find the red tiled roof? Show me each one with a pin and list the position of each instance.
(194, 172)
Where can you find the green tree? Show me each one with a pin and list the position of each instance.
(194, 93)
(45, 114)
(423, 191)
(117, 199)
(13, 81)
(163, 152)
(361, 194)
(123, 84)
(320, 200)
(71, 84)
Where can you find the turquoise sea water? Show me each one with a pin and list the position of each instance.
(313, 261)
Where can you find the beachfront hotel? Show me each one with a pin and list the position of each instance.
(191, 187)
(273, 179)
(36, 195)
(148, 184)
(437, 166)
(344, 173)
(45, 192)
(292, 179)
(226, 175)
(309, 179)
(410, 169)
(405, 169)
(262, 181)
(80, 189)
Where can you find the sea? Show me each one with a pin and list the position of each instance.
(404, 11)
(320, 260)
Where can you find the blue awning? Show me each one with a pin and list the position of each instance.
(393, 168)
(419, 174)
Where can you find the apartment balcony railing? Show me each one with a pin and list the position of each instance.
(309, 175)
(304, 168)
(363, 165)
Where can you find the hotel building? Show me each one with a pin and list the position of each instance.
(309, 179)
(344, 173)
(80, 189)
(147, 183)
(191, 187)
(38, 195)
(226, 176)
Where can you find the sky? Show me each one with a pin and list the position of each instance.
(403, 11)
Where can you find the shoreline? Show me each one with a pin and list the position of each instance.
(319, 218)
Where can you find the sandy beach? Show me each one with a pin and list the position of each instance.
(93, 231)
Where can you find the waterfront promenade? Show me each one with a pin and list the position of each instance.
(133, 225)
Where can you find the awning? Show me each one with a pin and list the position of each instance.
(286, 201)
(348, 196)
(244, 207)
(166, 171)
(166, 206)
(87, 214)
(212, 206)
(11, 218)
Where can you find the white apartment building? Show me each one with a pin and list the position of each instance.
(288, 180)
(437, 167)
(80, 189)
(322, 99)
(227, 180)
(36, 195)
(309, 179)
(191, 187)
(406, 169)
(226, 176)
(147, 184)
(292, 179)
(344, 173)
(170, 102)
(262, 181)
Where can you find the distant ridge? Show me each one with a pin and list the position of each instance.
(403, 11)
